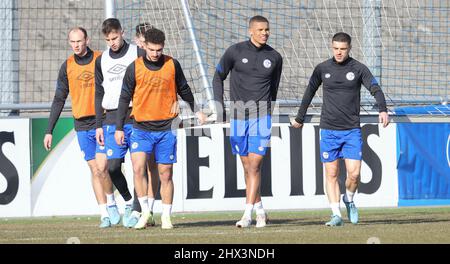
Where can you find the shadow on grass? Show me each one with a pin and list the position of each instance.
(319, 222)
(421, 220)
(271, 223)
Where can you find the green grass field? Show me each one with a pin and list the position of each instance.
(387, 225)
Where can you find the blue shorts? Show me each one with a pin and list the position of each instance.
(162, 143)
(114, 151)
(250, 135)
(338, 144)
(88, 144)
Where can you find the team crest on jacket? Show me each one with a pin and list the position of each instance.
(267, 63)
(244, 60)
(350, 76)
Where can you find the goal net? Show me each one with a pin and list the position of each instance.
(405, 43)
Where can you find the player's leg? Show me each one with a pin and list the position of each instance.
(152, 186)
(239, 146)
(333, 192)
(351, 184)
(167, 189)
(259, 140)
(99, 194)
(330, 147)
(165, 157)
(116, 155)
(246, 218)
(119, 181)
(88, 148)
(139, 160)
(141, 146)
(253, 183)
(136, 213)
(352, 152)
(103, 174)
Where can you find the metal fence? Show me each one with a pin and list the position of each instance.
(405, 43)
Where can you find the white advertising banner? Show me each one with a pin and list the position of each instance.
(14, 167)
(207, 177)
(292, 175)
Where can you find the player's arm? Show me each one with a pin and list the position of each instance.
(314, 82)
(126, 94)
(276, 77)
(222, 69)
(185, 92)
(61, 93)
(99, 93)
(371, 84)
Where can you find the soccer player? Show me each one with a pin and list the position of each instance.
(255, 75)
(153, 82)
(152, 169)
(109, 71)
(76, 77)
(340, 132)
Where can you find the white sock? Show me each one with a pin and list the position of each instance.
(259, 208)
(248, 211)
(143, 201)
(151, 201)
(348, 197)
(166, 209)
(110, 199)
(129, 202)
(103, 211)
(335, 209)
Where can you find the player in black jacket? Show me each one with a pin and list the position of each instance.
(340, 133)
(255, 75)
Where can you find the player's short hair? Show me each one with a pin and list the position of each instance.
(142, 28)
(110, 25)
(155, 36)
(80, 29)
(257, 19)
(342, 37)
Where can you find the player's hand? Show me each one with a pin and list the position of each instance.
(119, 136)
(296, 124)
(48, 141)
(201, 117)
(99, 136)
(383, 118)
(212, 118)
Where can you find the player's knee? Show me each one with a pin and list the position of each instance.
(100, 174)
(353, 177)
(139, 171)
(165, 176)
(253, 169)
(102, 168)
(332, 176)
(114, 166)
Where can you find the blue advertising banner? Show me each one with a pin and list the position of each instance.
(423, 163)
